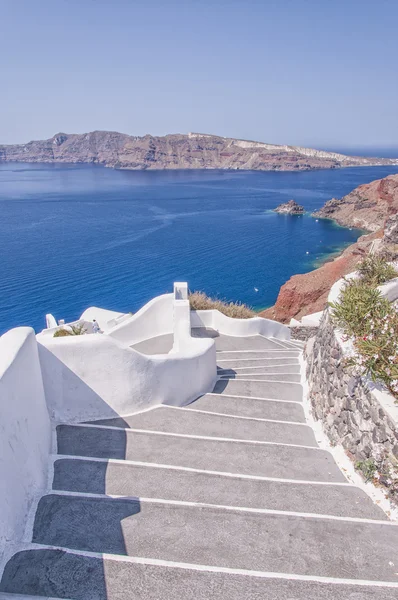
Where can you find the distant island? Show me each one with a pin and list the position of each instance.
(179, 151)
(290, 208)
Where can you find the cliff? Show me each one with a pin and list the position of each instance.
(192, 151)
(369, 206)
(306, 294)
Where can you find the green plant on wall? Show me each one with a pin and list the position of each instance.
(371, 322)
(374, 270)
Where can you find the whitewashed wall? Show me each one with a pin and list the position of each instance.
(95, 376)
(239, 327)
(152, 320)
(25, 432)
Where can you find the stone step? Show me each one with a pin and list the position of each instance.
(258, 368)
(297, 344)
(286, 344)
(15, 596)
(188, 422)
(255, 342)
(263, 376)
(260, 389)
(216, 536)
(291, 355)
(266, 460)
(247, 407)
(269, 363)
(145, 481)
(67, 574)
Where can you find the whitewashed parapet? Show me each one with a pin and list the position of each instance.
(152, 320)
(25, 433)
(96, 376)
(214, 319)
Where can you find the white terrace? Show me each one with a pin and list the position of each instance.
(170, 457)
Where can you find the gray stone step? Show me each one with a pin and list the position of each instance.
(263, 376)
(268, 460)
(66, 574)
(260, 409)
(12, 596)
(188, 422)
(121, 479)
(258, 368)
(291, 355)
(223, 538)
(255, 342)
(285, 343)
(260, 389)
(269, 363)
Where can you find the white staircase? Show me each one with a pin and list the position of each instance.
(227, 498)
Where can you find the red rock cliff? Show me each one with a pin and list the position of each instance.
(368, 206)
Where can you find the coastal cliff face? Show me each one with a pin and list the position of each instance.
(371, 206)
(306, 294)
(192, 151)
(367, 207)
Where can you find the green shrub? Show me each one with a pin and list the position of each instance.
(378, 350)
(78, 329)
(368, 468)
(62, 333)
(236, 310)
(356, 304)
(371, 322)
(375, 270)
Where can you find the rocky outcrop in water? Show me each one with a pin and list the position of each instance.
(192, 151)
(290, 208)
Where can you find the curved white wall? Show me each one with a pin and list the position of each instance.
(239, 327)
(152, 320)
(25, 431)
(95, 376)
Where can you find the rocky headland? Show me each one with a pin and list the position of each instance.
(366, 207)
(372, 207)
(177, 151)
(290, 208)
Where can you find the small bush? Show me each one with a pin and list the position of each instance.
(371, 322)
(236, 310)
(62, 333)
(374, 271)
(356, 303)
(367, 467)
(78, 329)
(378, 350)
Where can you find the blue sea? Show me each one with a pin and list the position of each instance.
(73, 236)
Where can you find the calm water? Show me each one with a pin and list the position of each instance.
(75, 236)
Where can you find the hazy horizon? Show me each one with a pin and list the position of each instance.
(300, 72)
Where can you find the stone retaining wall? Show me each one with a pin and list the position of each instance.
(301, 333)
(350, 413)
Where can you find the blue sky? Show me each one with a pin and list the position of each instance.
(319, 73)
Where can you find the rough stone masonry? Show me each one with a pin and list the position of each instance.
(351, 415)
